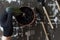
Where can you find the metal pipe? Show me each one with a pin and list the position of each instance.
(47, 38)
(57, 4)
(48, 17)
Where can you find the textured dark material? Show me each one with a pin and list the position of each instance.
(6, 23)
(42, 1)
(26, 17)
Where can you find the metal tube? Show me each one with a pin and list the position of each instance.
(57, 4)
(48, 17)
(45, 31)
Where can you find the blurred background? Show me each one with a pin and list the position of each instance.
(35, 31)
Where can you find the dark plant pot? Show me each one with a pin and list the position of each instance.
(27, 17)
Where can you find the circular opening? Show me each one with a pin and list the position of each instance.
(26, 17)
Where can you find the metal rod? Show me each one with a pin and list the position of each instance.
(57, 4)
(47, 38)
(48, 17)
